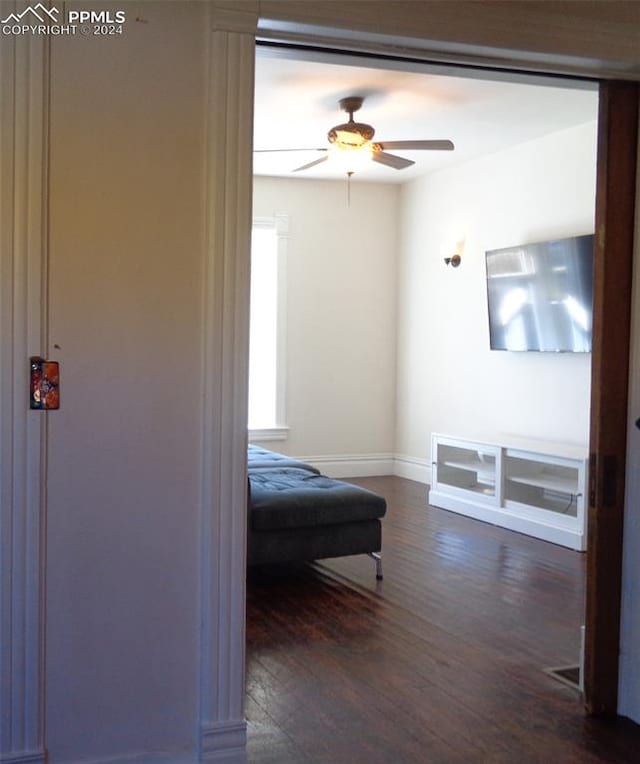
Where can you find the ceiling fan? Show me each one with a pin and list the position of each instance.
(353, 141)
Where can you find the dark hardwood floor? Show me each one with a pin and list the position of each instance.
(440, 663)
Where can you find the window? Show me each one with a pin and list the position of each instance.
(267, 329)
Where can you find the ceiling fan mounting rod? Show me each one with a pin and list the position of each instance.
(351, 104)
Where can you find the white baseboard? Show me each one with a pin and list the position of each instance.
(141, 757)
(371, 465)
(413, 469)
(26, 757)
(224, 743)
(352, 465)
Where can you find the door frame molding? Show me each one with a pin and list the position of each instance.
(613, 269)
(617, 143)
(225, 376)
(613, 295)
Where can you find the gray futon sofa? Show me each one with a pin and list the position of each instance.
(295, 514)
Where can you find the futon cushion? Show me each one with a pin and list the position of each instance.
(260, 458)
(296, 498)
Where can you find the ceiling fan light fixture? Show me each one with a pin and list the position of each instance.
(351, 159)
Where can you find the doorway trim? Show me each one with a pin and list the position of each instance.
(598, 652)
(221, 733)
(613, 268)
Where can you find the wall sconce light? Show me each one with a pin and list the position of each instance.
(454, 261)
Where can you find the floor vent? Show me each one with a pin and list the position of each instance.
(568, 675)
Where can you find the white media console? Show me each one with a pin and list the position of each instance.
(532, 487)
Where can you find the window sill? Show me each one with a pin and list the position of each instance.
(269, 433)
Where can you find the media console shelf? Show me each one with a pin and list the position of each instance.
(534, 488)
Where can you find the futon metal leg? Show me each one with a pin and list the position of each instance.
(378, 558)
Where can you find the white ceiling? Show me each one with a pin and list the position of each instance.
(296, 104)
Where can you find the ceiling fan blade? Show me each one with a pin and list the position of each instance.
(311, 164)
(417, 145)
(271, 151)
(391, 160)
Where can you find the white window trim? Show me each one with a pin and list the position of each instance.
(268, 433)
(279, 221)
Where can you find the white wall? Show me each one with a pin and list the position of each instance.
(341, 264)
(629, 682)
(127, 180)
(448, 379)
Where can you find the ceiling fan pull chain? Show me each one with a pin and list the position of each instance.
(349, 174)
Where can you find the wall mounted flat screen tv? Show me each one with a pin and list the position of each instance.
(541, 296)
